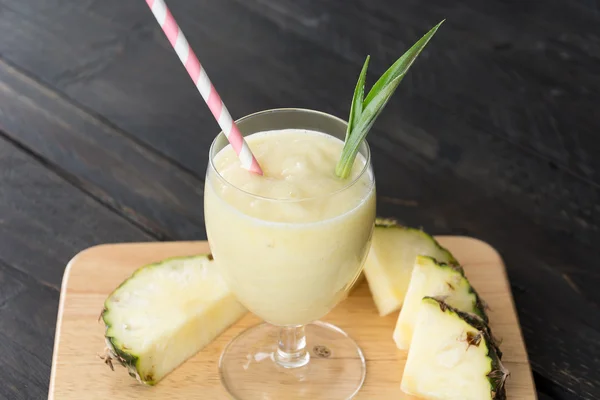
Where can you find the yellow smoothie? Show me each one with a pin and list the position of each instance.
(289, 243)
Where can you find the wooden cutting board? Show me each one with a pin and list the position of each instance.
(79, 373)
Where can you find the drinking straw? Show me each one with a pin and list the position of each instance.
(203, 84)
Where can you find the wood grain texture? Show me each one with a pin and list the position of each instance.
(510, 50)
(144, 187)
(43, 222)
(27, 319)
(493, 134)
(92, 275)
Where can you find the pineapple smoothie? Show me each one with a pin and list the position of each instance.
(289, 243)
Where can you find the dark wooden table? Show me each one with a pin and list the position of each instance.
(493, 134)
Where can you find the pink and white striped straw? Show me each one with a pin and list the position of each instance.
(203, 84)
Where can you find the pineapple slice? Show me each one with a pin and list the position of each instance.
(391, 258)
(165, 313)
(430, 278)
(452, 356)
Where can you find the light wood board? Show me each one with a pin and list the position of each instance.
(79, 373)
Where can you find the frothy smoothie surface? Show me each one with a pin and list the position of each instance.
(289, 260)
(298, 167)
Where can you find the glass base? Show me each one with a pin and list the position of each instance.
(335, 368)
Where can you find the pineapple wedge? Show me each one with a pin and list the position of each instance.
(165, 313)
(391, 258)
(452, 356)
(430, 278)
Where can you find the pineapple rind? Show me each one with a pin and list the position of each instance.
(113, 347)
(497, 374)
(479, 306)
(472, 319)
(393, 224)
(432, 278)
(128, 358)
(388, 287)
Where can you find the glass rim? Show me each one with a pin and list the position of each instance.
(350, 184)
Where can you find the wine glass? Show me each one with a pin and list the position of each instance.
(290, 261)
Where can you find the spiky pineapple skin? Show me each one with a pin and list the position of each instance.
(479, 305)
(113, 347)
(127, 360)
(390, 223)
(117, 351)
(389, 296)
(498, 373)
(472, 319)
(433, 278)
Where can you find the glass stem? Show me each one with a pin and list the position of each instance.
(291, 349)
